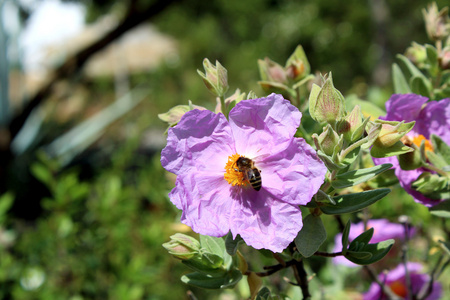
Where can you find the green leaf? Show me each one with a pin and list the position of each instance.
(377, 251)
(41, 172)
(6, 201)
(364, 237)
(205, 281)
(311, 237)
(419, 86)
(441, 209)
(357, 255)
(213, 245)
(329, 162)
(432, 57)
(396, 149)
(345, 234)
(264, 294)
(400, 83)
(415, 73)
(358, 176)
(232, 245)
(353, 202)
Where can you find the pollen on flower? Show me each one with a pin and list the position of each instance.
(232, 174)
(399, 288)
(417, 140)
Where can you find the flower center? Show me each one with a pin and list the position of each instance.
(417, 140)
(399, 288)
(232, 174)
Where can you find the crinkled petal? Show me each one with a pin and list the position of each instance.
(293, 175)
(264, 126)
(206, 202)
(201, 140)
(435, 119)
(404, 107)
(263, 221)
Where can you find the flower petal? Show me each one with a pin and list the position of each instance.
(201, 140)
(404, 107)
(263, 126)
(264, 222)
(206, 203)
(435, 119)
(293, 175)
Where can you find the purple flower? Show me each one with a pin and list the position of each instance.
(382, 230)
(396, 281)
(213, 193)
(431, 118)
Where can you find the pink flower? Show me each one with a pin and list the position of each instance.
(216, 197)
(396, 281)
(382, 230)
(431, 118)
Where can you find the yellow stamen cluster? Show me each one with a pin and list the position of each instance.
(232, 174)
(417, 140)
(399, 288)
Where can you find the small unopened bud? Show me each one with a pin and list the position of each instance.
(326, 104)
(417, 54)
(328, 140)
(297, 66)
(271, 71)
(352, 126)
(436, 22)
(173, 116)
(215, 77)
(182, 246)
(391, 132)
(445, 58)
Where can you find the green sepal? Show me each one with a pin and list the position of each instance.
(210, 264)
(353, 202)
(231, 245)
(396, 149)
(401, 85)
(442, 209)
(441, 148)
(432, 186)
(358, 176)
(345, 234)
(207, 281)
(315, 91)
(329, 162)
(213, 245)
(369, 253)
(311, 236)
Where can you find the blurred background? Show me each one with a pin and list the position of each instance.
(83, 197)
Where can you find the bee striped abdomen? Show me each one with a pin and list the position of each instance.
(255, 178)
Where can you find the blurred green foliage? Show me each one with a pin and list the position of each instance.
(102, 220)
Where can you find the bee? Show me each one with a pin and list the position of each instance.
(251, 174)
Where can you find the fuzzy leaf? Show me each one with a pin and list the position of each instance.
(311, 237)
(353, 202)
(400, 83)
(358, 176)
(206, 281)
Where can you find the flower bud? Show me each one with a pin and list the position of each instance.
(297, 66)
(173, 116)
(182, 246)
(410, 160)
(436, 22)
(326, 104)
(215, 77)
(445, 58)
(391, 132)
(352, 127)
(271, 71)
(417, 54)
(328, 140)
